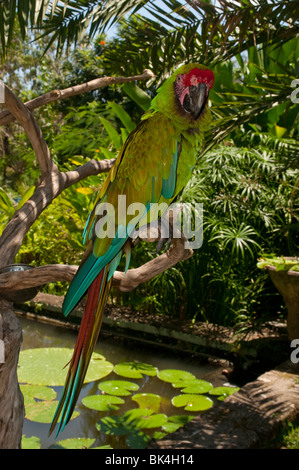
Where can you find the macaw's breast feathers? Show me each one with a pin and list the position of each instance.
(151, 154)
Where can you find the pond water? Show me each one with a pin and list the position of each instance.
(116, 351)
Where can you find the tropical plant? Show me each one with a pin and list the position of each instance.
(223, 29)
(250, 204)
(247, 194)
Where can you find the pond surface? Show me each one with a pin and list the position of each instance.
(40, 335)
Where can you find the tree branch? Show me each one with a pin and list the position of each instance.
(53, 181)
(134, 277)
(38, 276)
(25, 118)
(55, 95)
(13, 234)
(178, 251)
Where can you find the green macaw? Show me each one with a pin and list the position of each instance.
(153, 166)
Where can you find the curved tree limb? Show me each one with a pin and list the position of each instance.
(13, 234)
(53, 181)
(178, 251)
(55, 95)
(27, 121)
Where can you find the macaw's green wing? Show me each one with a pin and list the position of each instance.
(144, 173)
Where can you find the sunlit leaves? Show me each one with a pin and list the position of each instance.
(46, 366)
(40, 392)
(118, 387)
(223, 392)
(192, 402)
(279, 262)
(135, 369)
(32, 442)
(74, 443)
(150, 401)
(102, 402)
(177, 378)
(197, 386)
(42, 411)
(115, 405)
(237, 239)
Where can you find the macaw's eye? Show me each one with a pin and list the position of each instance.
(179, 78)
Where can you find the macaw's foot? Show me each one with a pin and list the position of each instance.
(162, 231)
(159, 232)
(165, 234)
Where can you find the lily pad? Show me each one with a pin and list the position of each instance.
(197, 386)
(75, 443)
(138, 440)
(178, 378)
(135, 369)
(148, 400)
(223, 392)
(32, 442)
(121, 425)
(153, 421)
(118, 387)
(159, 435)
(40, 392)
(102, 402)
(46, 366)
(175, 422)
(192, 402)
(43, 411)
(130, 422)
(108, 446)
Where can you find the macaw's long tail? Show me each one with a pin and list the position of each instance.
(88, 334)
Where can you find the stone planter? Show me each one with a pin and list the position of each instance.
(287, 283)
(22, 295)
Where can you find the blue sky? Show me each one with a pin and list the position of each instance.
(143, 11)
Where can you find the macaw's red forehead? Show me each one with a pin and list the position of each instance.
(196, 76)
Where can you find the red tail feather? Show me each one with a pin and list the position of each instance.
(87, 337)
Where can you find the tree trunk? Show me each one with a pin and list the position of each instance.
(11, 399)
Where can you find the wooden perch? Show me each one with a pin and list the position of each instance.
(178, 251)
(134, 277)
(55, 95)
(36, 277)
(53, 181)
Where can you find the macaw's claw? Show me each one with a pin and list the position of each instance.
(165, 234)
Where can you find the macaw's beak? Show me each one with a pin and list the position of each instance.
(196, 99)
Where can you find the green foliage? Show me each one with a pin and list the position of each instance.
(192, 402)
(290, 438)
(114, 404)
(249, 188)
(250, 204)
(32, 368)
(279, 262)
(56, 236)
